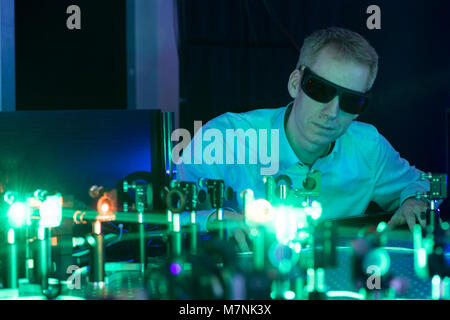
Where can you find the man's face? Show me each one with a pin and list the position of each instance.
(314, 124)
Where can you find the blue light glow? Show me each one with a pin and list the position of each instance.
(175, 268)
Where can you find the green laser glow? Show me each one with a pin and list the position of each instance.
(259, 211)
(320, 274)
(315, 210)
(310, 276)
(345, 294)
(289, 295)
(51, 212)
(422, 258)
(436, 287)
(91, 240)
(10, 197)
(297, 247)
(303, 235)
(78, 242)
(282, 257)
(18, 214)
(286, 223)
(381, 226)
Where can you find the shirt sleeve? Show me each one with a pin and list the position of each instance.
(395, 179)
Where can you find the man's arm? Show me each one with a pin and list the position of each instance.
(396, 185)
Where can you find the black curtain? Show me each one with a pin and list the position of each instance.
(237, 55)
(58, 68)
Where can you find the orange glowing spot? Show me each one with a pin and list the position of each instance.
(104, 208)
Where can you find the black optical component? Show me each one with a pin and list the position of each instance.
(323, 91)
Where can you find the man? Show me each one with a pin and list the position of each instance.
(318, 131)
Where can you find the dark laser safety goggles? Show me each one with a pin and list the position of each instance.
(323, 91)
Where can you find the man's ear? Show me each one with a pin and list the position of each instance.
(294, 83)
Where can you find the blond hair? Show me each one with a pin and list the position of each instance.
(347, 44)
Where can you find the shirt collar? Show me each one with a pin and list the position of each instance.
(287, 155)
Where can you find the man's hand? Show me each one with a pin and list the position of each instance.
(412, 210)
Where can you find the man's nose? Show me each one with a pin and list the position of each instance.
(331, 109)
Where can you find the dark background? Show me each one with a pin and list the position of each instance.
(237, 55)
(58, 68)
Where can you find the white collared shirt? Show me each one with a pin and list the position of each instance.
(362, 167)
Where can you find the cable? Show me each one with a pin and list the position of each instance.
(112, 224)
(119, 238)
